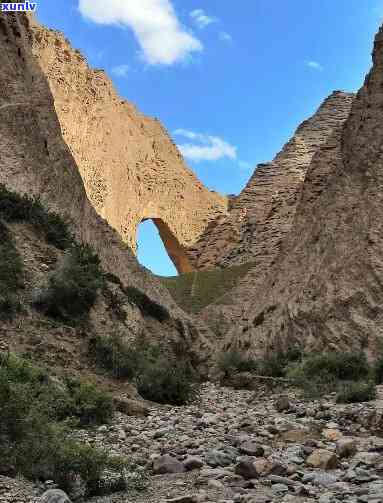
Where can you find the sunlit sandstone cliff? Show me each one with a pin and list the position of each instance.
(131, 169)
(34, 159)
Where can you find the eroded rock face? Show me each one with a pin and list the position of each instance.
(131, 168)
(34, 159)
(325, 289)
(262, 214)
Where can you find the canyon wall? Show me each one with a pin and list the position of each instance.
(325, 290)
(131, 168)
(310, 222)
(262, 215)
(34, 159)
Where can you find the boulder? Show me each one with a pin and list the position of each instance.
(251, 448)
(321, 458)
(55, 496)
(346, 447)
(167, 464)
(193, 463)
(131, 407)
(246, 468)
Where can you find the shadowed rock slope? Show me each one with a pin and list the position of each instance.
(325, 289)
(35, 160)
(131, 168)
(263, 213)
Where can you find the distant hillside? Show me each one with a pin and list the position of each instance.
(195, 290)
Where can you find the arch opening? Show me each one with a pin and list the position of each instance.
(159, 250)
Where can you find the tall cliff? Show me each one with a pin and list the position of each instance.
(325, 289)
(263, 213)
(131, 169)
(34, 159)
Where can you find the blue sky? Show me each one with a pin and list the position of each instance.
(230, 80)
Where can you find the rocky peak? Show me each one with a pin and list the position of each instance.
(263, 213)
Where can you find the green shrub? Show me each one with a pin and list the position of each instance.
(160, 375)
(234, 361)
(341, 366)
(325, 373)
(17, 208)
(356, 391)
(33, 441)
(88, 403)
(45, 451)
(11, 272)
(313, 387)
(75, 398)
(137, 478)
(164, 382)
(115, 356)
(9, 307)
(274, 365)
(164, 379)
(21, 371)
(73, 289)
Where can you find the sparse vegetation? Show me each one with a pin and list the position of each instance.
(273, 366)
(34, 438)
(73, 398)
(17, 208)
(137, 478)
(112, 354)
(195, 290)
(355, 391)
(340, 366)
(349, 374)
(88, 403)
(164, 381)
(73, 288)
(233, 361)
(11, 272)
(160, 376)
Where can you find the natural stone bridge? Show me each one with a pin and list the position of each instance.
(130, 166)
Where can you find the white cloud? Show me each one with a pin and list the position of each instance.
(225, 37)
(205, 147)
(187, 134)
(315, 65)
(121, 70)
(162, 38)
(201, 19)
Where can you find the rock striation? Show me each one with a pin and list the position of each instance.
(262, 214)
(131, 168)
(325, 288)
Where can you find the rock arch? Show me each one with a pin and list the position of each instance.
(131, 168)
(177, 252)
